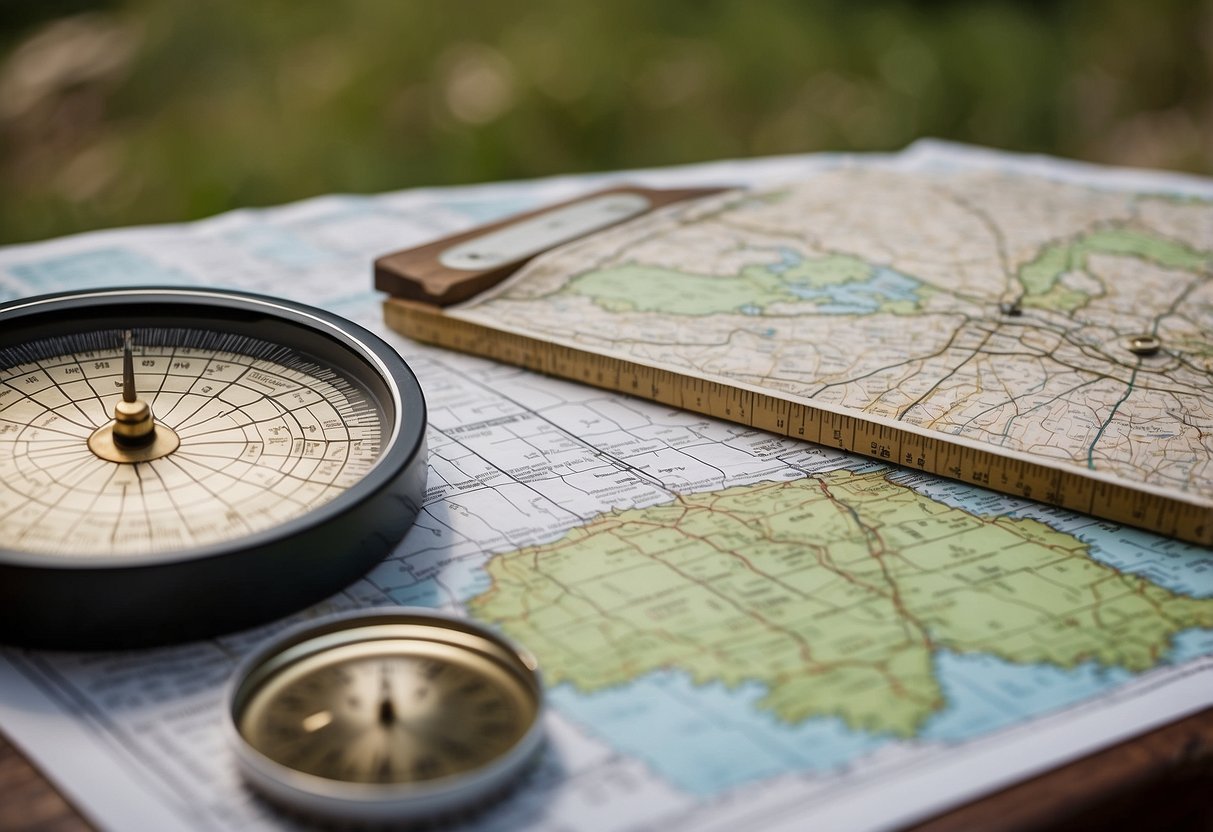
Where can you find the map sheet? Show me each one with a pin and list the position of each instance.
(737, 630)
(982, 303)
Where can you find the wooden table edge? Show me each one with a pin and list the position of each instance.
(1162, 780)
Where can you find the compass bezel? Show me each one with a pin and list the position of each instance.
(93, 600)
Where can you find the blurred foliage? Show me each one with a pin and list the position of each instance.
(137, 111)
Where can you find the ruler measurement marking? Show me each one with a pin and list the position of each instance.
(988, 469)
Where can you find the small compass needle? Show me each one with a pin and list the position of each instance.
(387, 712)
(128, 369)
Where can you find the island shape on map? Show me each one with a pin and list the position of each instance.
(834, 592)
(995, 307)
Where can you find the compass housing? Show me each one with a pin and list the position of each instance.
(112, 600)
(389, 634)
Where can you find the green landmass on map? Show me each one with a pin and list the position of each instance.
(637, 288)
(1041, 277)
(633, 287)
(834, 592)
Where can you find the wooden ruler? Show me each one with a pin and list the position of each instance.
(1102, 497)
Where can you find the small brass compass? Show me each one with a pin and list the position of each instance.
(386, 715)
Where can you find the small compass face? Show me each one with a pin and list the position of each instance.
(389, 711)
(265, 435)
(385, 714)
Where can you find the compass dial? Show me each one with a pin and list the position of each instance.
(265, 435)
(385, 715)
(176, 463)
(385, 711)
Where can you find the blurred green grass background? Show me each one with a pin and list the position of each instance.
(134, 111)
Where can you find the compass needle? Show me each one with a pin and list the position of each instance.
(128, 370)
(178, 463)
(133, 435)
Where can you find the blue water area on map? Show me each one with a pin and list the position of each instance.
(788, 258)
(110, 266)
(282, 246)
(857, 297)
(1189, 645)
(466, 578)
(706, 739)
(457, 582)
(1183, 568)
(985, 693)
(489, 209)
(406, 590)
(355, 305)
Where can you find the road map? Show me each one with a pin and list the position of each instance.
(736, 629)
(984, 304)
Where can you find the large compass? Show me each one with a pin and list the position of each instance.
(177, 463)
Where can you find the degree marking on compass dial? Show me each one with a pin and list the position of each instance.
(265, 436)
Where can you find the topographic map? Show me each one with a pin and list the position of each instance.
(736, 629)
(987, 305)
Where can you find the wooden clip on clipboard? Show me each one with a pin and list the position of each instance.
(459, 267)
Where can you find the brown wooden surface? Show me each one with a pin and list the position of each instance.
(416, 274)
(28, 801)
(1162, 781)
